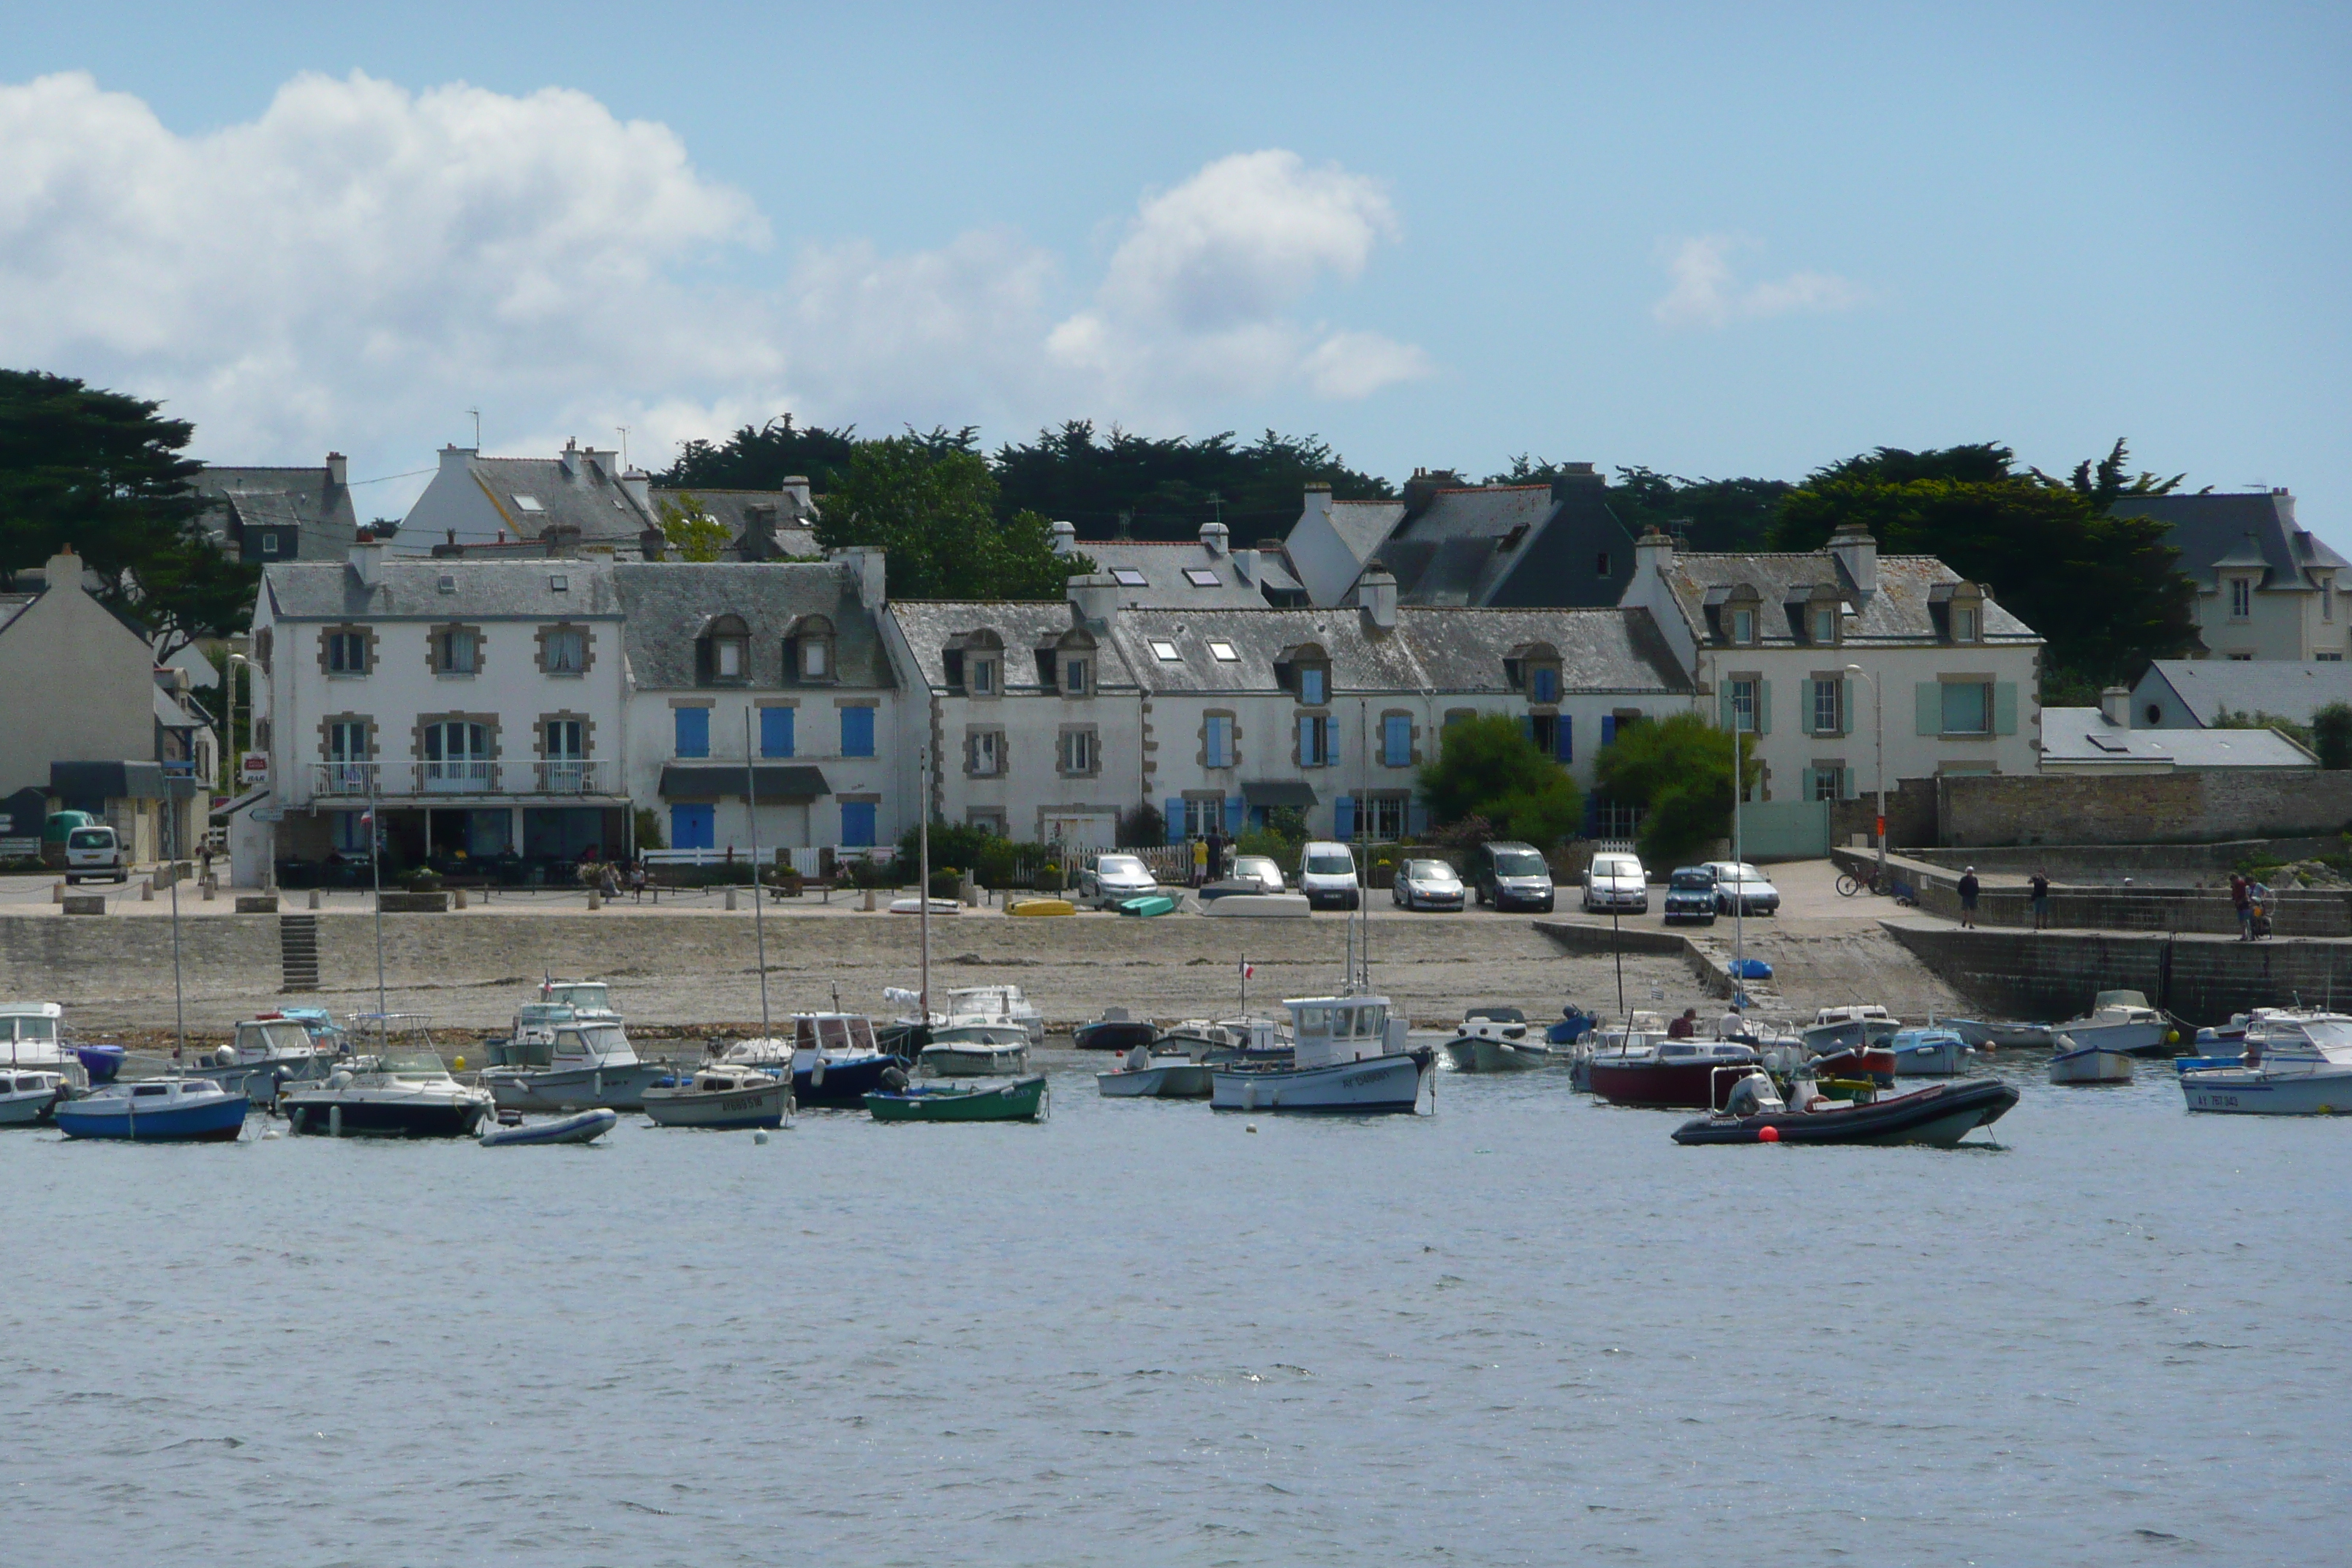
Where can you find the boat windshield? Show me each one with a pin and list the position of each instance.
(32, 1029)
(595, 995)
(832, 1033)
(543, 1013)
(1312, 1017)
(275, 1038)
(412, 1061)
(861, 1033)
(605, 1041)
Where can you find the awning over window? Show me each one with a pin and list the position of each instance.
(1279, 791)
(777, 782)
(114, 781)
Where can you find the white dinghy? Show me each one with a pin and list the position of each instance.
(2096, 1062)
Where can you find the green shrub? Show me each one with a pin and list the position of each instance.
(1487, 767)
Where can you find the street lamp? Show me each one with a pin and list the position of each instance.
(231, 765)
(1878, 726)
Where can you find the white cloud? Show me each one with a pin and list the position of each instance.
(359, 263)
(1707, 292)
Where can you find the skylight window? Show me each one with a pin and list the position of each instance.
(1128, 577)
(1164, 650)
(558, 583)
(448, 583)
(528, 503)
(1201, 577)
(1222, 652)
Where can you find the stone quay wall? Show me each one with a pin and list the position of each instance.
(2186, 806)
(2201, 979)
(2104, 906)
(2167, 865)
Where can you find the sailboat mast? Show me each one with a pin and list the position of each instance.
(1740, 878)
(179, 1003)
(376, 874)
(923, 891)
(758, 928)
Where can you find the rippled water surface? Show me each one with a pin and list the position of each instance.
(1528, 1329)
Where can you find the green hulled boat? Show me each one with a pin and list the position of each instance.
(1020, 1100)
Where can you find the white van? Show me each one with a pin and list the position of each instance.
(1327, 875)
(94, 854)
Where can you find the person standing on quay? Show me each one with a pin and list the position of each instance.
(2244, 904)
(1216, 854)
(2041, 901)
(1968, 889)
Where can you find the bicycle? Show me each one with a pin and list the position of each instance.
(1904, 894)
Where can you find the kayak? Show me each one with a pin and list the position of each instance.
(1020, 1100)
(1940, 1116)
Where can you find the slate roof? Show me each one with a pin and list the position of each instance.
(1450, 553)
(1163, 567)
(409, 588)
(2080, 736)
(1259, 638)
(589, 497)
(733, 510)
(2285, 689)
(1600, 650)
(668, 604)
(307, 498)
(2207, 529)
(1365, 525)
(1024, 625)
(1897, 612)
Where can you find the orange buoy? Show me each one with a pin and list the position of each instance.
(1768, 1134)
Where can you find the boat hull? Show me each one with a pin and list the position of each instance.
(29, 1109)
(1648, 1085)
(315, 1116)
(1938, 1117)
(1387, 1085)
(2241, 1092)
(263, 1081)
(585, 1089)
(1495, 1056)
(580, 1126)
(2001, 1036)
(1121, 1034)
(2138, 1039)
(971, 1059)
(1172, 1080)
(846, 1083)
(209, 1121)
(2090, 1064)
(724, 1109)
(1946, 1059)
(1020, 1100)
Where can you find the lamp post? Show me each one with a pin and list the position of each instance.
(232, 766)
(1878, 728)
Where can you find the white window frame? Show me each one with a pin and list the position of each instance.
(1945, 711)
(1834, 690)
(2242, 598)
(572, 637)
(1743, 625)
(984, 753)
(1743, 714)
(1078, 752)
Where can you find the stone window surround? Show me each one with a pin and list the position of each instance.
(587, 649)
(367, 655)
(1323, 732)
(1845, 718)
(1813, 768)
(1755, 678)
(811, 631)
(1061, 751)
(374, 737)
(432, 636)
(1989, 681)
(587, 734)
(1201, 757)
(489, 723)
(1413, 736)
(1004, 757)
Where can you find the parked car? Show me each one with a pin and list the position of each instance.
(93, 855)
(1327, 875)
(1741, 884)
(1506, 872)
(1616, 882)
(1258, 868)
(1690, 895)
(1427, 885)
(1114, 878)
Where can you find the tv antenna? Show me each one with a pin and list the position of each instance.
(477, 427)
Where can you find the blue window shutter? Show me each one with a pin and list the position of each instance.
(1567, 738)
(1343, 818)
(1528, 727)
(1763, 706)
(1233, 816)
(856, 732)
(693, 736)
(857, 820)
(1330, 742)
(1306, 757)
(775, 732)
(1175, 815)
(1930, 699)
(2004, 708)
(1609, 729)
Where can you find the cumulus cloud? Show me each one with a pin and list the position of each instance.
(1707, 292)
(361, 262)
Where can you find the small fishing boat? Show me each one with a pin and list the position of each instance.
(1116, 1030)
(1939, 1115)
(399, 1088)
(2121, 1021)
(913, 906)
(32, 1035)
(1656, 1073)
(1020, 1100)
(162, 1110)
(268, 1051)
(580, 1127)
(1574, 1023)
(837, 1059)
(1981, 1035)
(1931, 1052)
(1225, 1041)
(2295, 1064)
(1163, 1073)
(1852, 1042)
(586, 1061)
(975, 1050)
(1147, 906)
(1261, 906)
(1349, 1059)
(2092, 1063)
(101, 1063)
(1495, 1039)
(27, 1098)
(719, 1095)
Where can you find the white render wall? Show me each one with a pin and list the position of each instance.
(816, 742)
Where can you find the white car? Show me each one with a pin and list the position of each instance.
(1327, 875)
(1427, 885)
(1616, 883)
(1741, 889)
(1114, 878)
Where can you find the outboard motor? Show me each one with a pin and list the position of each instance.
(1753, 1096)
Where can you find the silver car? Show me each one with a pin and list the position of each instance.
(1114, 878)
(1427, 885)
(1741, 889)
(1616, 882)
(1259, 868)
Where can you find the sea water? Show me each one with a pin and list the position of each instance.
(1526, 1329)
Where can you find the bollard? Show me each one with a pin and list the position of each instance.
(459, 900)
(869, 900)
(595, 901)
(56, 892)
(314, 898)
(147, 891)
(730, 899)
(210, 885)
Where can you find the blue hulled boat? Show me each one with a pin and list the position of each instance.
(170, 1110)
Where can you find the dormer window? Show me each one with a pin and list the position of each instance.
(808, 652)
(1543, 683)
(1825, 623)
(1314, 685)
(981, 672)
(1964, 622)
(724, 654)
(1073, 676)
(1743, 625)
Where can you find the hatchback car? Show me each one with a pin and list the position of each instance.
(94, 854)
(1615, 883)
(1427, 885)
(1258, 868)
(1741, 889)
(1114, 878)
(1327, 875)
(1690, 895)
(1505, 872)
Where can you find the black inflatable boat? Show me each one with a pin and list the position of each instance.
(1940, 1116)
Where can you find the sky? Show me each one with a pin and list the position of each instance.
(1714, 240)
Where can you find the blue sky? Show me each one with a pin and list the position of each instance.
(1712, 239)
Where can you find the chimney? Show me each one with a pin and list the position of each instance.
(797, 496)
(1245, 565)
(1574, 477)
(1857, 552)
(367, 561)
(1094, 601)
(1319, 502)
(758, 541)
(2115, 706)
(639, 487)
(1420, 490)
(866, 566)
(338, 469)
(1376, 596)
(454, 457)
(1653, 553)
(1065, 539)
(1214, 537)
(569, 458)
(651, 542)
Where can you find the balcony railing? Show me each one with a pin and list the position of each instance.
(561, 775)
(469, 778)
(566, 775)
(344, 779)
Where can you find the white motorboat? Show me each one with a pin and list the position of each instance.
(558, 1003)
(1349, 1059)
(399, 1088)
(1931, 1052)
(586, 1063)
(27, 1098)
(995, 1003)
(1980, 1036)
(2296, 1063)
(2120, 1021)
(268, 1052)
(1158, 1072)
(975, 1050)
(720, 1096)
(1495, 1039)
(1218, 1041)
(2093, 1063)
(32, 1035)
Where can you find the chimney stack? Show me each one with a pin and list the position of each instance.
(569, 458)
(1065, 539)
(367, 561)
(1214, 537)
(1857, 552)
(639, 487)
(1094, 600)
(1653, 553)
(1318, 500)
(651, 543)
(339, 470)
(797, 493)
(1376, 596)
(2115, 706)
(867, 574)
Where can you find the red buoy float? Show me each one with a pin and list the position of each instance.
(1768, 1134)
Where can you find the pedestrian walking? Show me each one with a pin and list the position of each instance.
(1969, 887)
(1200, 861)
(2041, 901)
(2240, 899)
(1216, 854)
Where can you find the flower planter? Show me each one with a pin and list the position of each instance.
(412, 903)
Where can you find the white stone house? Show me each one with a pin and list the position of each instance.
(1768, 639)
(766, 681)
(581, 497)
(2266, 587)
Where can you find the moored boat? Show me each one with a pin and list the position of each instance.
(587, 1062)
(1115, 1030)
(268, 1051)
(1931, 1052)
(1939, 1115)
(719, 1095)
(1164, 1074)
(580, 1127)
(1496, 1039)
(2074, 1063)
(2295, 1063)
(1657, 1073)
(1852, 1042)
(28, 1098)
(401, 1089)
(1349, 1059)
(837, 1057)
(1020, 1100)
(2120, 1021)
(157, 1110)
(1981, 1035)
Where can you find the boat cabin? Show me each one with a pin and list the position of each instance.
(834, 1033)
(272, 1039)
(31, 1032)
(583, 997)
(1329, 1030)
(582, 1046)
